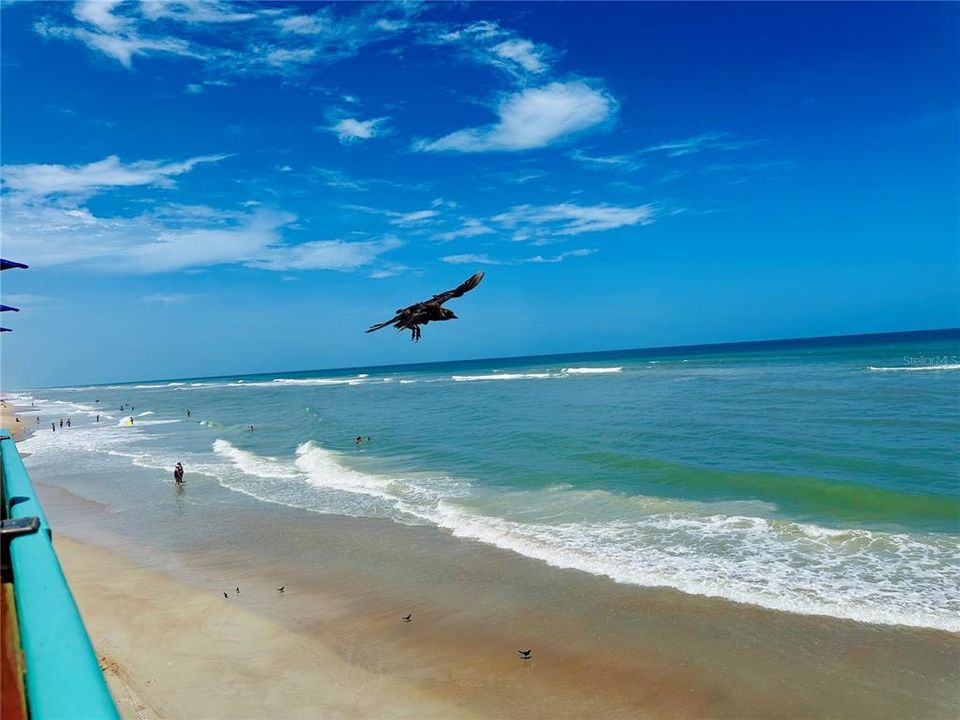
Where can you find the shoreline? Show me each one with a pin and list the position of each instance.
(600, 649)
(8, 419)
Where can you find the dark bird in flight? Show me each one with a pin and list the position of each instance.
(238, 591)
(280, 589)
(525, 654)
(411, 318)
(407, 618)
(225, 595)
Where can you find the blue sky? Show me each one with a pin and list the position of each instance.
(207, 188)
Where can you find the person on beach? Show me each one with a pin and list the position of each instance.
(98, 418)
(61, 422)
(38, 419)
(54, 426)
(358, 440)
(68, 422)
(188, 413)
(178, 473)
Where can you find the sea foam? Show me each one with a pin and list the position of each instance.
(687, 546)
(501, 376)
(916, 368)
(592, 370)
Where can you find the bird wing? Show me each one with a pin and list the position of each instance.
(467, 286)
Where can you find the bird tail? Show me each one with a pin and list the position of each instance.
(379, 325)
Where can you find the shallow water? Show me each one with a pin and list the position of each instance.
(818, 478)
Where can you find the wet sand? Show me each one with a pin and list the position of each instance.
(8, 420)
(334, 641)
(170, 651)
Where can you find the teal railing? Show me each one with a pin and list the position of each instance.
(63, 677)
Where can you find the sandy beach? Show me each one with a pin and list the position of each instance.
(8, 419)
(181, 653)
(334, 644)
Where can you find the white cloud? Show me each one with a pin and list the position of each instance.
(581, 252)
(484, 259)
(706, 141)
(470, 259)
(99, 13)
(413, 218)
(121, 47)
(193, 89)
(51, 234)
(532, 118)
(193, 11)
(325, 254)
(350, 130)
(282, 44)
(530, 222)
(85, 179)
(23, 300)
(487, 43)
(170, 239)
(471, 228)
(304, 24)
(283, 57)
(482, 29)
(340, 180)
(522, 52)
(626, 162)
(166, 299)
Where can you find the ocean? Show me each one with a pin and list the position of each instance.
(819, 477)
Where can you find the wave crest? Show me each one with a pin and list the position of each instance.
(916, 368)
(592, 370)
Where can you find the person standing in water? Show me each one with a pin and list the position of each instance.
(178, 473)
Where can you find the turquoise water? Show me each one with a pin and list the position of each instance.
(817, 477)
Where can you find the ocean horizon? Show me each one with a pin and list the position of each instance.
(694, 349)
(814, 477)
